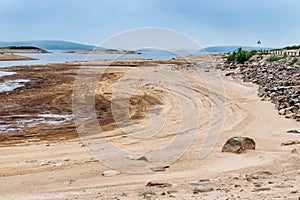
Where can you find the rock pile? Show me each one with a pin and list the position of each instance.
(278, 82)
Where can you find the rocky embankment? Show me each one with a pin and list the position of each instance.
(278, 82)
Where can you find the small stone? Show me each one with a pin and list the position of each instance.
(281, 186)
(57, 165)
(172, 191)
(124, 194)
(260, 189)
(109, 173)
(146, 192)
(295, 151)
(291, 116)
(293, 131)
(226, 190)
(282, 111)
(159, 169)
(204, 180)
(30, 161)
(261, 175)
(201, 189)
(257, 184)
(199, 183)
(44, 164)
(151, 184)
(293, 142)
(229, 73)
(137, 157)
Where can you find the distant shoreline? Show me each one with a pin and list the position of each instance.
(102, 52)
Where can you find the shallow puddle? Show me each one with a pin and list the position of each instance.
(10, 85)
(15, 123)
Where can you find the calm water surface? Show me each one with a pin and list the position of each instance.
(60, 57)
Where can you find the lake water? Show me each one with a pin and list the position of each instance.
(60, 57)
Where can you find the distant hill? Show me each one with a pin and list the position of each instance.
(175, 52)
(226, 49)
(51, 45)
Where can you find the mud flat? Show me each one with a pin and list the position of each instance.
(46, 160)
(13, 57)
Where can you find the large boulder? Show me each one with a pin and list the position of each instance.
(238, 145)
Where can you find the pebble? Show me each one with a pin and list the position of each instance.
(261, 175)
(295, 151)
(199, 184)
(30, 161)
(57, 165)
(146, 193)
(151, 184)
(290, 143)
(260, 189)
(159, 169)
(137, 157)
(124, 194)
(293, 131)
(281, 186)
(172, 191)
(44, 163)
(110, 173)
(202, 189)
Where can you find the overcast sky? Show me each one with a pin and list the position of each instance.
(210, 22)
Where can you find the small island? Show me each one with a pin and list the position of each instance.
(8, 53)
(22, 49)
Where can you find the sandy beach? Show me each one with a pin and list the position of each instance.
(50, 161)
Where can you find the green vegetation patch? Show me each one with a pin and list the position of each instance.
(20, 47)
(292, 47)
(277, 58)
(295, 60)
(241, 56)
